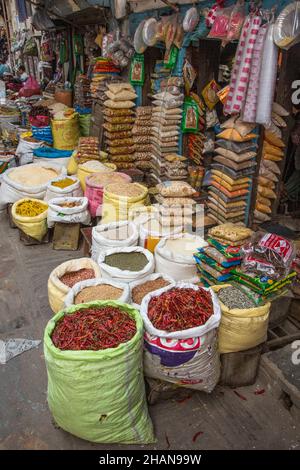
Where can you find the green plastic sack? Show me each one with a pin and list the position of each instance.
(99, 395)
(84, 124)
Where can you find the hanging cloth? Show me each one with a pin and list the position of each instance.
(249, 114)
(267, 79)
(22, 10)
(241, 70)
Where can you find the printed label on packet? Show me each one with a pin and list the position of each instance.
(279, 245)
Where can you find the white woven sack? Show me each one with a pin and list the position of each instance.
(124, 297)
(109, 272)
(100, 243)
(68, 215)
(152, 277)
(74, 190)
(188, 358)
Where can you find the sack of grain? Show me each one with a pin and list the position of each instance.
(71, 190)
(57, 290)
(126, 264)
(242, 328)
(25, 150)
(139, 289)
(35, 226)
(68, 210)
(29, 181)
(114, 235)
(174, 256)
(188, 358)
(97, 289)
(99, 395)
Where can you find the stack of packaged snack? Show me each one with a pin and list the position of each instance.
(176, 167)
(104, 70)
(231, 171)
(89, 149)
(82, 93)
(166, 118)
(217, 262)
(119, 118)
(142, 137)
(267, 266)
(273, 153)
(176, 203)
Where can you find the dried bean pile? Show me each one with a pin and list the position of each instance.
(235, 298)
(93, 329)
(134, 261)
(139, 292)
(180, 309)
(71, 278)
(101, 292)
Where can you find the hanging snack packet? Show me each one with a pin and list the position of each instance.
(137, 70)
(209, 94)
(189, 76)
(190, 118)
(171, 57)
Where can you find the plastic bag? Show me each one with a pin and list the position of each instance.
(99, 395)
(287, 26)
(78, 214)
(274, 252)
(31, 87)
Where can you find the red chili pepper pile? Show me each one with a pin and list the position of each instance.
(180, 309)
(93, 329)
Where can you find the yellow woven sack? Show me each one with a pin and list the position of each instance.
(117, 208)
(57, 291)
(35, 227)
(83, 172)
(242, 329)
(66, 133)
(72, 164)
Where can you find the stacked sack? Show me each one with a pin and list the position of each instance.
(166, 119)
(104, 70)
(176, 203)
(88, 149)
(119, 119)
(233, 165)
(216, 263)
(273, 153)
(82, 92)
(142, 137)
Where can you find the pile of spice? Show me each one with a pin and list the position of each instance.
(100, 292)
(71, 278)
(235, 298)
(180, 309)
(93, 329)
(64, 183)
(140, 291)
(30, 208)
(133, 261)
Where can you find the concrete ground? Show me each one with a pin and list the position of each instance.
(226, 420)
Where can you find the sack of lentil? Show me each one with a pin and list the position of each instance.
(240, 328)
(30, 216)
(68, 186)
(175, 256)
(183, 351)
(126, 264)
(139, 289)
(68, 210)
(65, 276)
(99, 395)
(119, 199)
(28, 181)
(97, 289)
(114, 235)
